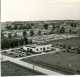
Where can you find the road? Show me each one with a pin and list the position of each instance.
(28, 65)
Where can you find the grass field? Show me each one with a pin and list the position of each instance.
(10, 69)
(64, 59)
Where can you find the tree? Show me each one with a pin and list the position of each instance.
(75, 25)
(26, 40)
(53, 28)
(5, 43)
(8, 27)
(21, 41)
(15, 27)
(2, 35)
(16, 42)
(15, 35)
(32, 24)
(12, 43)
(31, 32)
(9, 35)
(45, 26)
(30, 41)
(72, 24)
(70, 30)
(39, 32)
(62, 30)
(24, 33)
(29, 27)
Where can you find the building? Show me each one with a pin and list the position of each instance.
(45, 31)
(37, 48)
(6, 33)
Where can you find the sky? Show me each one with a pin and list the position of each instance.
(27, 10)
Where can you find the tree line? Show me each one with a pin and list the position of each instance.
(16, 27)
(11, 42)
(8, 42)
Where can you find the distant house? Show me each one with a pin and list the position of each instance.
(78, 31)
(6, 33)
(37, 48)
(45, 31)
(39, 41)
(19, 33)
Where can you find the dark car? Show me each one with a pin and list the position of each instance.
(28, 53)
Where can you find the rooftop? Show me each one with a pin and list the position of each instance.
(33, 45)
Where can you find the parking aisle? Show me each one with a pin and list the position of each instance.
(28, 65)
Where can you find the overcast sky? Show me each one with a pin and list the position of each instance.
(23, 10)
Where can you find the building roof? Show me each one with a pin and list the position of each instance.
(33, 45)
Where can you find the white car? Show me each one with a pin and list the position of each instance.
(10, 53)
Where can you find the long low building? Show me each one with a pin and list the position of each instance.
(37, 48)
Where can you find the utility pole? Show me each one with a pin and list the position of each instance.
(58, 62)
(24, 42)
(69, 66)
(2, 57)
(25, 57)
(33, 69)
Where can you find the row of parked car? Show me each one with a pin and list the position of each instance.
(17, 52)
(68, 48)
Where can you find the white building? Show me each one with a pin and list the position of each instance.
(37, 48)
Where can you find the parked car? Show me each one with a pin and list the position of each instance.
(23, 54)
(67, 50)
(16, 55)
(28, 53)
(21, 48)
(72, 48)
(6, 51)
(78, 51)
(10, 53)
(63, 50)
(69, 47)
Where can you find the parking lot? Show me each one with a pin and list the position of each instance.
(20, 52)
(16, 52)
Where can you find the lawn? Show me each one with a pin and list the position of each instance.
(10, 69)
(64, 59)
